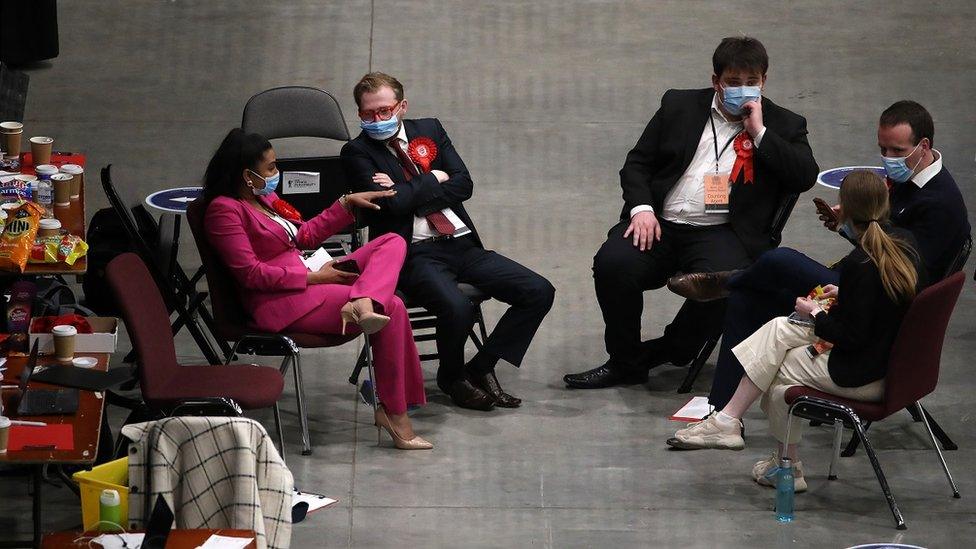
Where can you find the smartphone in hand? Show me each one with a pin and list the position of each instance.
(825, 210)
(347, 266)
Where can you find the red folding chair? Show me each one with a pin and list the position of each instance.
(913, 372)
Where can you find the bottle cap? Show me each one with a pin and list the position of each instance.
(785, 462)
(110, 497)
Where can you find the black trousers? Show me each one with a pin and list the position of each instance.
(622, 273)
(430, 277)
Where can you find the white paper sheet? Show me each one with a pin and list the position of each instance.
(314, 501)
(316, 260)
(225, 542)
(300, 182)
(120, 540)
(696, 409)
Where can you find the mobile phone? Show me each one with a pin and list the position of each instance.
(825, 210)
(347, 266)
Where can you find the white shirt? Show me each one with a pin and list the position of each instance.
(923, 177)
(288, 226)
(421, 228)
(685, 202)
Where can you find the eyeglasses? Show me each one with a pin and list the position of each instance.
(383, 113)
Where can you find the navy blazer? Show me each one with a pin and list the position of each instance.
(783, 164)
(362, 157)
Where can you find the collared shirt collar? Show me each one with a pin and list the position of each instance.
(923, 177)
(402, 133)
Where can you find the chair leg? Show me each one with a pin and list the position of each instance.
(947, 443)
(835, 451)
(300, 396)
(938, 450)
(360, 364)
(854, 442)
(480, 321)
(869, 450)
(281, 433)
(372, 380)
(696, 366)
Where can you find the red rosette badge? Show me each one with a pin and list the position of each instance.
(422, 151)
(743, 158)
(287, 211)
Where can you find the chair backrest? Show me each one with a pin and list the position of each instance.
(229, 314)
(295, 111)
(960, 260)
(781, 216)
(913, 366)
(146, 321)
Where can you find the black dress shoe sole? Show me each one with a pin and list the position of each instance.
(604, 385)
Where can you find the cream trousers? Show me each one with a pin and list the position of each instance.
(775, 359)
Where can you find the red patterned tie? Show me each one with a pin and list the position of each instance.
(437, 220)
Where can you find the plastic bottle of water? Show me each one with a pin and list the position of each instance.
(784, 491)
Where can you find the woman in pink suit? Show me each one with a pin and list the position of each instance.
(251, 231)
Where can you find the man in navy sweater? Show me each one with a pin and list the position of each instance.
(924, 199)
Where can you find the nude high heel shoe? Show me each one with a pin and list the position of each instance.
(416, 443)
(369, 321)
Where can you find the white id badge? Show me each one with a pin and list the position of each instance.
(716, 192)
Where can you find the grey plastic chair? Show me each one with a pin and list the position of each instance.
(295, 111)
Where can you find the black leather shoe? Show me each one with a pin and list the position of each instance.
(489, 383)
(603, 376)
(701, 286)
(466, 395)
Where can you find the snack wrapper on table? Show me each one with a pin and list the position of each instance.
(820, 346)
(14, 190)
(18, 237)
(58, 249)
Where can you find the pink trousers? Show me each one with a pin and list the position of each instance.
(399, 379)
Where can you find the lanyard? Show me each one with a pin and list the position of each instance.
(715, 140)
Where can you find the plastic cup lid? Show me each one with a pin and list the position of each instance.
(84, 361)
(4, 422)
(50, 224)
(73, 169)
(11, 125)
(64, 330)
(41, 140)
(46, 168)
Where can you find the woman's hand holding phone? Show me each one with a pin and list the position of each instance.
(328, 274)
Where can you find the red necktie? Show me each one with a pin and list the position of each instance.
(437, 220)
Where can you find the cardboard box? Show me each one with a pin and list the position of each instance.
(103, 340)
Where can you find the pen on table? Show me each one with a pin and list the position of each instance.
(40, 447)
(28, 423)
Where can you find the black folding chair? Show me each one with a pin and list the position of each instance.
(776, 230)
(177, 288)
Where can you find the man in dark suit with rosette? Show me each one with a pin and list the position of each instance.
(416, 159)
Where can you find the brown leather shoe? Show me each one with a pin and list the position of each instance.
(701, 286)
(489, 384)
(466, 395)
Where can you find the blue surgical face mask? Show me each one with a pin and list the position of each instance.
(270, 184)
(381, 129)
(897, 167)
(734, 97)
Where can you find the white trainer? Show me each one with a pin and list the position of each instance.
(764, 473)
(709, 433)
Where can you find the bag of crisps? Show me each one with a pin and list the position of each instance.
(18, 237)
(58, 249)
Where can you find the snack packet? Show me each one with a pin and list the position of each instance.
(58, 249)
(18, 237)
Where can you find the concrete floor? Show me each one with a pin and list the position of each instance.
(543, 100)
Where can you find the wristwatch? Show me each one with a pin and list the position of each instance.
(344, 202)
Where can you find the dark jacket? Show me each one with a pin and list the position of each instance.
(864, 321)
(783, 164)
(362, 157)
(936, 215)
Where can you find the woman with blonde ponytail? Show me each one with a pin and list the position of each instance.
(843, 351)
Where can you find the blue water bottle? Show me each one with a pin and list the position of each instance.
(784, 491)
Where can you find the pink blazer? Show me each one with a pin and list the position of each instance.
(265, 262)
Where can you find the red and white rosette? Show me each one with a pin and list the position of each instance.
(743, 158)
(287, 211)
(422, 151)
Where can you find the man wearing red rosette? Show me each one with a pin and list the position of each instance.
(417, 160)
(700, 189)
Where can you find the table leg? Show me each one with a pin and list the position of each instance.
(38, 482)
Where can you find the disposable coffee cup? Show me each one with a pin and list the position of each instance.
(78, 177)
(4, 433)
(62, 188)
(41, 149)
(12, 133)
(49, 227)
(64, 342)
(45, 171)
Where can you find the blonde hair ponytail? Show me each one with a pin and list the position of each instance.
(864, 202)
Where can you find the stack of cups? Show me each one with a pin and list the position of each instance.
(4, 434)
(64, 342)
(77, 178)
(12, 132)
(41, 149)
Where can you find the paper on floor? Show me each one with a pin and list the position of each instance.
(696, 409)
(118, 541)
(225, 542)
(314, 501)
